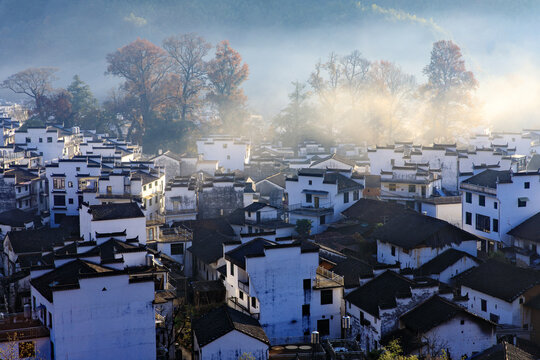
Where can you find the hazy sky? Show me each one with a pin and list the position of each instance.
(500, 46)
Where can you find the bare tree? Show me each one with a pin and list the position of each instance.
(187, 53)
(355, 70)
(35, 83)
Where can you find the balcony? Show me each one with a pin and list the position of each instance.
(321, 208)
(327, 279)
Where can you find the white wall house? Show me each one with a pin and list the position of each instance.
(284, 287)
(231, 152)
(180, 199)
(94, 311)
(445, 326)
(49, 142)
(320, 195)
(497, 291)
(494, 202)
(221, 334)
(413, 239)
(101, 222)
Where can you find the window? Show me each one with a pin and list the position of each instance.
(19, 189)
(150, 202)
(392, 187)
(483, 305)
(28, 140)
(322, 219)
(468, 218)
(150, 185)
(59, 183)
(40, 140)
(27, 349)
(527, 185)
(412, 188)
(305, 310)
(50, 320)
(310, 182)
(70, 201)
(49, 139)
(78, 169)
(241, 295)
(495, 225)
(177, 249)
(345, 197)
(521, 300)
(482, 223)
(231, 268)
(34, 302)
(144, 188)
(393, 251)
(253, 302)
(307, 284)
(481, 200)
(522, 202)
(495, 205)
(462, 322)
(59, 200)
(468, 197)
(356, 195)
(224, 146)
(228, 157)
(326, 297)
(308, 198)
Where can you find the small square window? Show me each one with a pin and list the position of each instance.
(495, 205)
(70, 184)
(326, 297)
(522, 202)
(468, 218)
(177, 249)
(481, 200)
(70, 201)
(527, 185)
(392, 187)
(393, 251)
(483, 305)
(241, 295)
(40, 140)
(228, 157)
(49, 139)
(468, 197)
(306, 310)
(253, 302)
(307, 284)
(310, 182)
(412, 188)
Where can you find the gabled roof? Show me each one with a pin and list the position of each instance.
(442, 261)
(489, 178)
(504, 351)
(115, 211)
(498, 279)
(252, 248)
(352, 270)
(276, 179)
(534, 163)
(33, 241)
(255, 206)
(374, 211)
(411, 230)
(336, 157)
(67, 277)
(223, 320)
(528, 230)
(380, 292)
(434, 312)
(209, 235)
(109, 248)
(16, 218)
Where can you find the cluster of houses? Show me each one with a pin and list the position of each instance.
(247, 250)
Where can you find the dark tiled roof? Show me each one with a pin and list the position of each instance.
(504, 351)
(16, 218)
(489, 178)
(534, 163)
(336, 157)
(433, 312)
(253, 207)
(352, 270)
(109, 248)
(374, 211)
(254, 247)
(381, 291)
(528, 230)
(501, 280)
(343, 182)
(411, 230)
(116, 211)
(66, 276)
(223, 320)
(277, 179)
(30, 241)
(442, 261)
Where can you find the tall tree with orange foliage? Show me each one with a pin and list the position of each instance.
(226, 73)
(144, 66)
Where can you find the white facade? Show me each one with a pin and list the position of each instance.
(231, 346)
(47, 142)
(108, 317)
(232, 153)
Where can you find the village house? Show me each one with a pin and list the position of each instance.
(272, 189)
(440, 325)
(525, 239)
(261, 219)
(228, 334)
(50, 142)
(320, 195)
(497, 291)
(24, 189)
(117, 323)
(171, 163)
(284, 287)
(22, 337)
(181, 199)
(232, 153)
(448, 264)
(413, 239)
(494, 202)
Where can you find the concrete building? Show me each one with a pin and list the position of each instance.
(232, 153)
